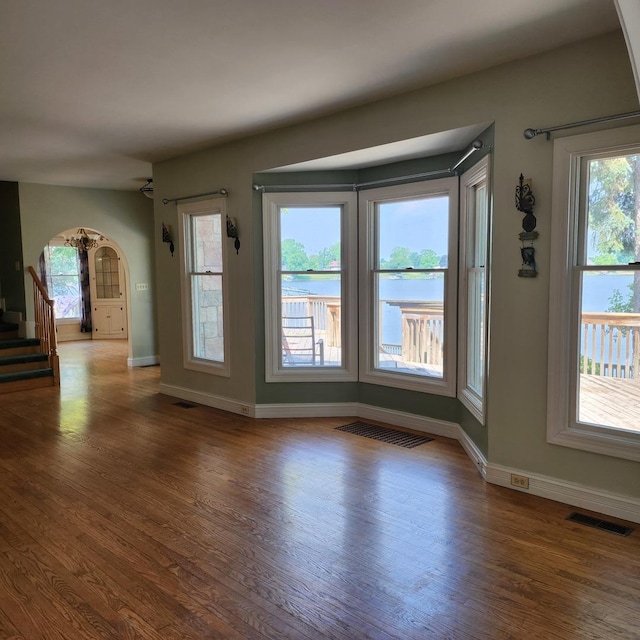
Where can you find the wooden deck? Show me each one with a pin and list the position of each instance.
(610, 401)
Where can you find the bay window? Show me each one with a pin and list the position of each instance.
(472, 305)
(408, 255)
(310, 286)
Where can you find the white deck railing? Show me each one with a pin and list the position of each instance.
(610, 344)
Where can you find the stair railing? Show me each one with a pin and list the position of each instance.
(45, 319)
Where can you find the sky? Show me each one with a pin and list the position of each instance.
(415, 224)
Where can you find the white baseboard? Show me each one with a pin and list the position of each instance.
(310, 410)
(208, 399)
(147, 361)
(616, 505)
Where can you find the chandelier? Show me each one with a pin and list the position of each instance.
(83, 240)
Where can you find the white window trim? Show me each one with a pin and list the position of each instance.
(478, 174)
(59, 242)
(561, 430)
(271, 203)
(190, 361)
(368, 373)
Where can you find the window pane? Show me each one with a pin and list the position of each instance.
(475, 329)
(310, 238)
(479, 229)
(413, 233)
(311, 320)
(64, 284)
(409, 318)
(208, 336)
(613, 228)
(609, 350)
(207, 239)
(63, 260)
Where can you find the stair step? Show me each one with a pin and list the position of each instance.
(19, 346)
(21, 380)
(19, 342)
(22, 362)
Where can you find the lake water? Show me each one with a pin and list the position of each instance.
(598, 289)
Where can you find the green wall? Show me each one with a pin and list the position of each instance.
(124, 217)
(580, 81)
(11, 280)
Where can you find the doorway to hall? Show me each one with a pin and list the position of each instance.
(85, 274)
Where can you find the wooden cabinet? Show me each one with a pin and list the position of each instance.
(109, 321)
(108, 295)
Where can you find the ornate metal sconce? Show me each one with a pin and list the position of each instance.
(166, 237)
(525, 201)
(232, 232)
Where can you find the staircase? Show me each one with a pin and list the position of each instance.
(22, 366)
(29, 363)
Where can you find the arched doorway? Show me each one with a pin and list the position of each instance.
(90, 282)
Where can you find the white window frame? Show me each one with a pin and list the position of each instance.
(55, 243)
(474, 178)
(185, 213)
(271, 205)
(562, 427)
(446, 385)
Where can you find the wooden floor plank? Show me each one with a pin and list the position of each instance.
(123, 515)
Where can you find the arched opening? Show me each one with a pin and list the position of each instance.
(87, 274)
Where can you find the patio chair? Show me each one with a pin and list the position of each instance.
(299, 344)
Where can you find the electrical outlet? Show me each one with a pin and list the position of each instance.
(244, 410)
(522, 482)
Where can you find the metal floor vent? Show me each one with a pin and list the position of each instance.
(184, 405)
(589, 521)
(399, 438)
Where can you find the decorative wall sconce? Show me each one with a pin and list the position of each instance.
(232, 232)
(147, 188)
(525, 200)
(166, 237)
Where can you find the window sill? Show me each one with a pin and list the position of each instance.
(618, 444)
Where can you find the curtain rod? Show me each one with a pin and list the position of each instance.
(222, 192)
(529, 134)
(477, 145)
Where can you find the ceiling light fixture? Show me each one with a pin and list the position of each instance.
(83, 240)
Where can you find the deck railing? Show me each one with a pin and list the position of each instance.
(325, 311)
(610, 344)
(45, 322)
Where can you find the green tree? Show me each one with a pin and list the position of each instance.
(293, 255)
(614, 221)
(428, 259)
(323, 259)
(614, 216)
(400, 258)
(63, 260)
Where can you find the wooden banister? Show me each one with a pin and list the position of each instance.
(45, 323)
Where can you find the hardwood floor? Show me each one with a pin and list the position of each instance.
(123, 515)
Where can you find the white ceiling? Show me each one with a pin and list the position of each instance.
(93, 91)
